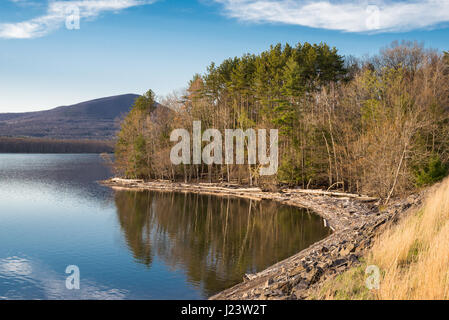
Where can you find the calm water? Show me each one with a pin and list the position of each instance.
(131, 245)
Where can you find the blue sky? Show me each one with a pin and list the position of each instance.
(129, 46)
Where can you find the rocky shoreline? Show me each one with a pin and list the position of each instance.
(354, 219)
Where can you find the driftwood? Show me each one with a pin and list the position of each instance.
(215, 188)
(126, 181)
(331, 194)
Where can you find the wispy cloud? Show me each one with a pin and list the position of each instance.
(344, 15)
(58, 11)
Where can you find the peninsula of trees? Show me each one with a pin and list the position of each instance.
(378, 126)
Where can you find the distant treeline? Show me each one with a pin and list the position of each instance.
(39, 145)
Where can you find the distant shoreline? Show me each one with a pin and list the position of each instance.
(61, 146)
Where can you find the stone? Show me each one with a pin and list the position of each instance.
(347, 250)
(302, 285)
(324, 249)
(353, 259)
(268, 283)
(297, 270)
(313, 276)
(339, 262)
(248, 276)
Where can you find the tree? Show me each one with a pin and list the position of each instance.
(130, 150)
(370, 126)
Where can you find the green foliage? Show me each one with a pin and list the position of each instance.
(145, 102)
(366, 126)
(288, 172)
(432, 171)
(350, 285)
(130, 149)
(412, 254)
(139, 163)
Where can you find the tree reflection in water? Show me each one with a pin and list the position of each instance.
(214, 240)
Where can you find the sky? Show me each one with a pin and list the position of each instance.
(48, 59)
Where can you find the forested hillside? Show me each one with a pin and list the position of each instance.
(378, 126)
(95, 119)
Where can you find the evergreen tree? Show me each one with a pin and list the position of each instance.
(373, 126)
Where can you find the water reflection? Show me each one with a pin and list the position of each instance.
(40, 281)
(214, 240)
(130, 245)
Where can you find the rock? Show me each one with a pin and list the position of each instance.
(313, 276)
(282, 287)
(248, 276)
(268, 283)
(347, 250)
(302, 285)
(353, 259)
(322, 265)
(296, 270)
(339, 262)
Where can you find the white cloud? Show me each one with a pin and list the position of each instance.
(57, 12)
(344, 15)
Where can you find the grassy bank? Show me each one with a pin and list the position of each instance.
(413, 257)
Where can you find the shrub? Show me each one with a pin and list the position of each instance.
(433, 171)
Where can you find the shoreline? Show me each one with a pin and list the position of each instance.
(353, 219)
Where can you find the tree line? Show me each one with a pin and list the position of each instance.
(378, 125)
(42, 145)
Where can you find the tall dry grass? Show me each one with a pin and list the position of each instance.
(414, 255)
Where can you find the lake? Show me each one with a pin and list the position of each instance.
(131, 245)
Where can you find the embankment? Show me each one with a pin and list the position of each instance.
(412, 256)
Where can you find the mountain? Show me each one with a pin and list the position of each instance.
(95, 119)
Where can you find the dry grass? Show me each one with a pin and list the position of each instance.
(413, 257)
